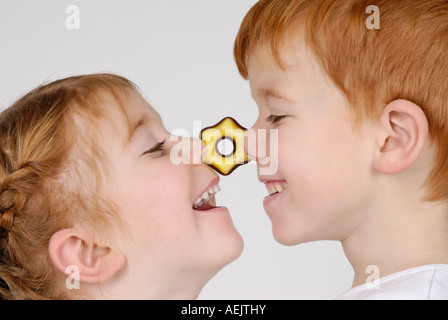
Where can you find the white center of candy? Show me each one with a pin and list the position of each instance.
(225, 147)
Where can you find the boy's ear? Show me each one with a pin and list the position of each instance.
(73, 247)
(404, 134)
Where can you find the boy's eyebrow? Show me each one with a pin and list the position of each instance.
(267, 93)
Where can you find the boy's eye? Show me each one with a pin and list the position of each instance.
(157, 148)
(274, 119)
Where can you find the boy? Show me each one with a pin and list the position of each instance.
(360, 111)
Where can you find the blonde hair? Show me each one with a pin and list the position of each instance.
(51, 173)
(406, 58)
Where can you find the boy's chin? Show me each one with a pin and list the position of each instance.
(290, 235)
(285, 237)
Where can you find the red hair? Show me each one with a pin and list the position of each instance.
(51, 173)
(407, 58)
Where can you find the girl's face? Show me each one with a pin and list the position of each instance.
(173, 244)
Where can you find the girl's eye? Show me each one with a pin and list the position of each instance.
(157, 148)
(274, 119)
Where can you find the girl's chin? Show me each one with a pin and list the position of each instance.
(229, 250)
(218, 233)
(223, 241)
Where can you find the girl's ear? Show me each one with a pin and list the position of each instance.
(73, 247)
(403, 136)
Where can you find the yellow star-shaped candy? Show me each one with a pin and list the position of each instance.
(227, 128)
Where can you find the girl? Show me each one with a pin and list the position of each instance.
(91, 205)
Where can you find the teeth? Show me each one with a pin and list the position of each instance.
(279, 187)
(276, 187)
(206, 196)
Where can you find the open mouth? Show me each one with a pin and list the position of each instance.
(275, 187)
(207, 200)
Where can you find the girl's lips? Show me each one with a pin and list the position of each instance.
(211, 189)
(206, 200)
(207, 205)
(213, 210)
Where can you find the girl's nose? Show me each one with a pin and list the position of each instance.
(198, 151)
(187, 150)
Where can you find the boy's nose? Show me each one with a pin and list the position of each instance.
(250, 144)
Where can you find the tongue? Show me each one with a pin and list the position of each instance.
(205, 206)
(210, 204)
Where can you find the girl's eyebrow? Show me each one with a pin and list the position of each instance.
(137, 127)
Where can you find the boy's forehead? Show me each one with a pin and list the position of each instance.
(288, 55)
(295, 69)
(297, 79)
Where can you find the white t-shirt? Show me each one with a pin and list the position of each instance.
(428, 282)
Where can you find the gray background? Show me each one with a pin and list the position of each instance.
(180, 54)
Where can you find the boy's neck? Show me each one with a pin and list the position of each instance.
(398, 237)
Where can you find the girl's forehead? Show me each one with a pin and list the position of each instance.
(136, 106)
(130, 116)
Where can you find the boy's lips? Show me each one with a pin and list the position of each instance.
(275, 187)
(276, 191)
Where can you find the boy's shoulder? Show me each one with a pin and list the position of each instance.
(429, 282)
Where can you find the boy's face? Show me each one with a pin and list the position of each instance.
(324, 162)
(156, 198)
